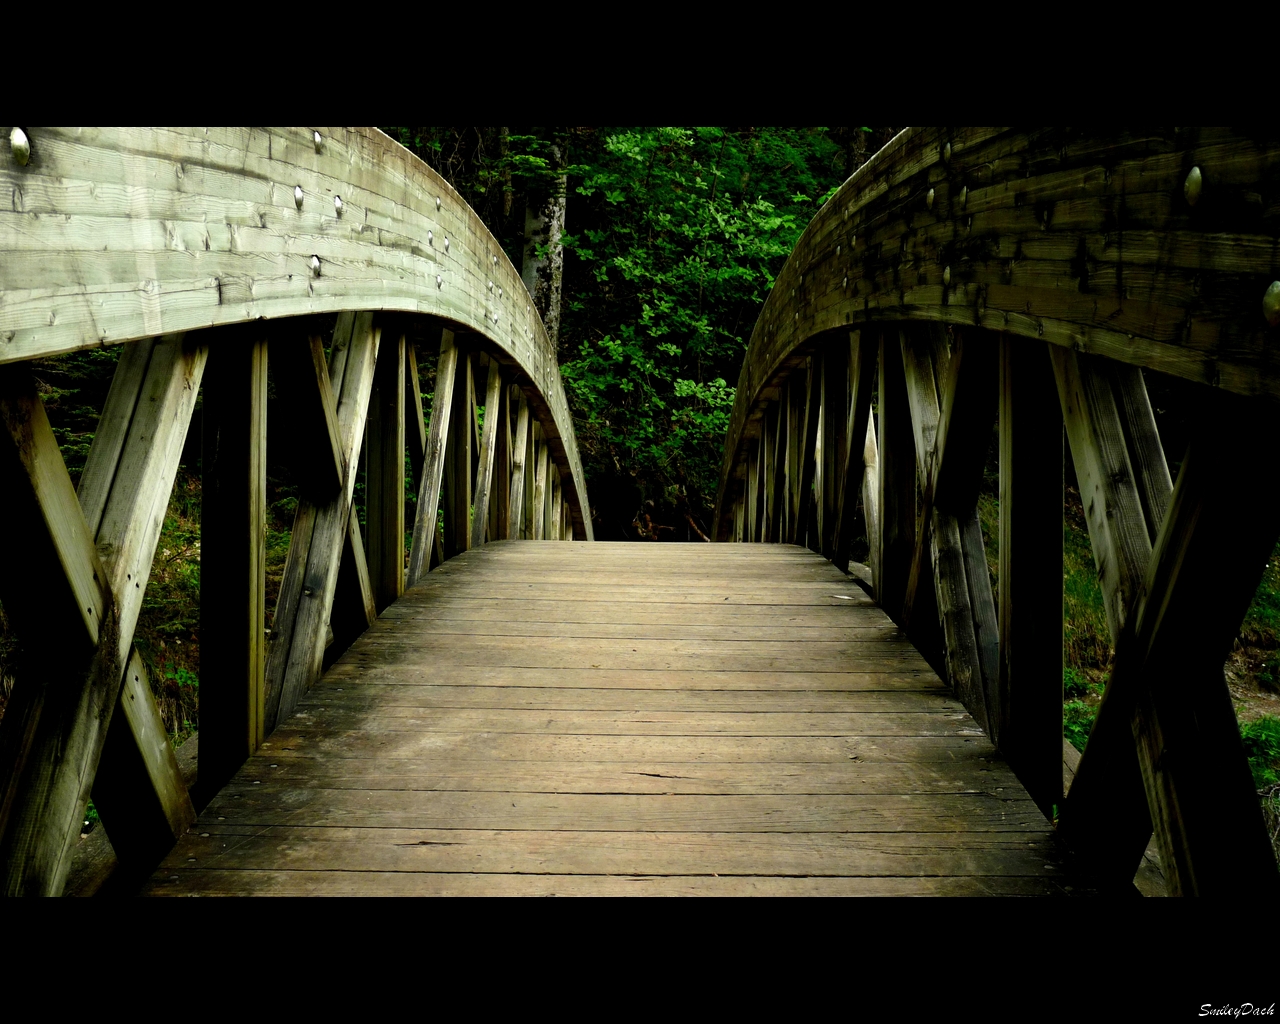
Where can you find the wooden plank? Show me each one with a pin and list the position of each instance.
(302, 376)
(871, 500)
(424, 523)
(1029, 726)
(384, 474)
(1151, 471)
(488, 451)
(515, 525)
(233, 552)
(113, 427)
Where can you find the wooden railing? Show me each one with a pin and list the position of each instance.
(967, 281)
(204, 253)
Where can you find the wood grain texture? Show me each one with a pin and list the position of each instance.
(397, 773)
(112, 235)
(1077, 237)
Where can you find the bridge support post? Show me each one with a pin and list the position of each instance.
(1028, 727)
(897, 477)
(233, 558)
(384, 474)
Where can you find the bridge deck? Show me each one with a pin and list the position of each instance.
(543, 718)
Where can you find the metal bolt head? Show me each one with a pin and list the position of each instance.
(928, 200)
(297, 196)
(439, 281)
(946, 152)
(845, 283)
(495, 261)
(1271, 304)
(318, 140)
(437, 203)
(837, 250)
(946, 275)
(337, 205)
(431, 239)
(315, 265)
(964, 196)
(21, 146)
(490, 283)
(446, 245)
(1194, 183)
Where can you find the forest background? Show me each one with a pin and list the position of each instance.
(649, 253)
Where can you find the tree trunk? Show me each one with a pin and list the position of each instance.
(543, 276)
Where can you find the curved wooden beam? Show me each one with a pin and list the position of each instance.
(115, 234)
(1154, 248)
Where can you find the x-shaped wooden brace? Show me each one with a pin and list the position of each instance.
(72, 580)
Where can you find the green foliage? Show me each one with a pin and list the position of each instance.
(1077, 721)
(678, 234)
(1261, 739)
(1086, 635)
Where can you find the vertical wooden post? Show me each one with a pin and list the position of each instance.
(896, 505)
(835, 426)
(807, 448)
(500, 506)
(488, 445)
(519, 461)
(457, 501)
(862, 359)
(233, 533)
(1030, 582)
(384, 480)
(768, 452)
(753, 489)
(426, 514)
(539, 489)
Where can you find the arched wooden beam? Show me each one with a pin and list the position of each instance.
(112, 235)
(1154, 248)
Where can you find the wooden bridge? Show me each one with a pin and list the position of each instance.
(498, 715)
